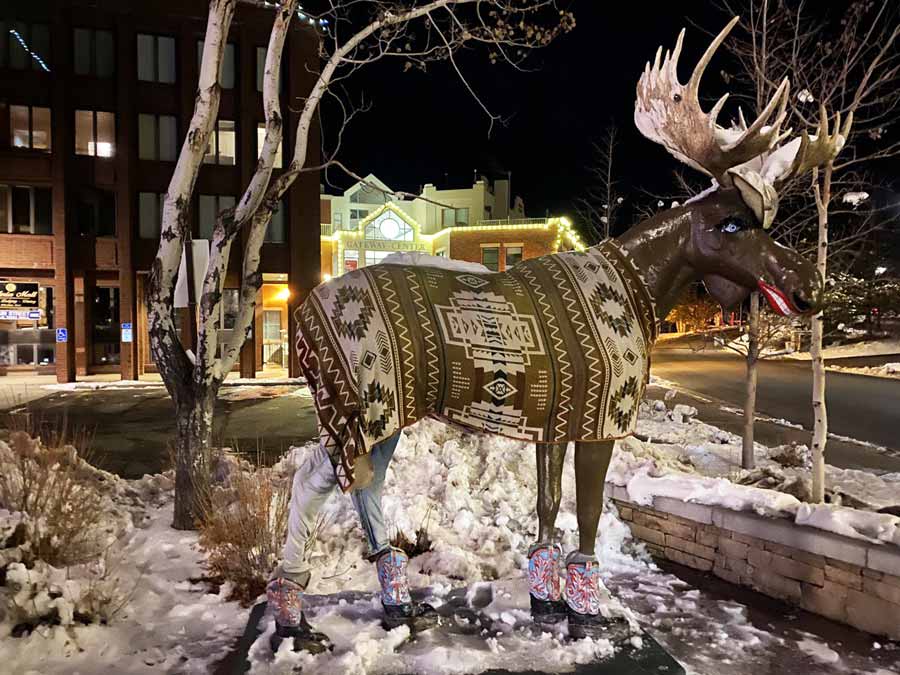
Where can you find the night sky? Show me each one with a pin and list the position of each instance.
(426, 128)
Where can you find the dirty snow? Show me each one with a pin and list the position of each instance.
(864, 348)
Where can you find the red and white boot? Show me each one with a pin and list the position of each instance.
(543, 584)
(399, 607)
(585, 596)
(285, 598)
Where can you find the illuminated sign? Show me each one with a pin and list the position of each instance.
(18, 295)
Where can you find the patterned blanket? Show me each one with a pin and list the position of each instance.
(554, 349)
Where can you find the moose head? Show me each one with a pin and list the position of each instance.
(728, 245)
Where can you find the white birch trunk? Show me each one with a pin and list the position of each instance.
(820, 411)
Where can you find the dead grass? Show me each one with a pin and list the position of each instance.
(242, 529)
(422, 543)
(46, 481)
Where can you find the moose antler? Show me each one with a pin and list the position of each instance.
(669, 113)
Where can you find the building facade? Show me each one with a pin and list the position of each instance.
(361, 227)
(95, 97)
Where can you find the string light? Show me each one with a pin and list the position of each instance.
(15, 34)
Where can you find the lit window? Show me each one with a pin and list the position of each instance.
(260, 139)
(358, 214)
(451, 217)
(95, 133)
(156, 58)
(441, 253)
(490, 257)
(375, 257)
(150, 210)
(94, 53)
(209, 209)
(222, 144)
(157, 137)
(277, 230)
(389, 227)
(25, 210)
(226, 76)
(29, 127)
(24, 46)
(338, 219)
(513, 255)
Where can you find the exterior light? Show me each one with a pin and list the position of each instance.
(283, 295)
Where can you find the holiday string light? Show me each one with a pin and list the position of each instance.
(40, 61)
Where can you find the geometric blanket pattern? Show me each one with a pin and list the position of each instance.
(554, 349)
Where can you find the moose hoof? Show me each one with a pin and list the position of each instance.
(587, 625)
(547, 611)
(419, 616)
(303, 637)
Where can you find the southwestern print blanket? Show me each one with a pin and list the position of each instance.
(554, 349)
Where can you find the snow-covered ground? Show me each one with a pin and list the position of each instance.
(476, 494)
(865, 348)
(884, 370)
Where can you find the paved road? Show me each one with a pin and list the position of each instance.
(861, 407)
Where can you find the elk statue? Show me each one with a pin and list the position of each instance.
(554, 350)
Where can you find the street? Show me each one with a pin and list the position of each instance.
(859, 407)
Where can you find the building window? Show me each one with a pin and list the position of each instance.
(357, 214)
(156, 58)
(338, 219)
(260, 139)
(150, 209)
(375, 257)
(25, 210)
(209, 209)
(441, 253)
(222, 143)
(95, 133)
(389, 227)
(513, 255)
(226, 76)
(157, 137)
(105, 333)
(95, 213)
(29, 127)
(451, 217)
(231, 306)
(277, 230)
(24, 46)
(490, 257)
(94, 52)
(261, 70)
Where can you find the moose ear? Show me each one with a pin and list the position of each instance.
(757, 194)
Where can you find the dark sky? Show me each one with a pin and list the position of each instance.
(423, 126)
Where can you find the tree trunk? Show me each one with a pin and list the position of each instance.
(193, 441)
(820, 412)
(748, 460)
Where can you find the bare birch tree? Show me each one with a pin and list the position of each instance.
(359, 33)
(600, 204)
(846, 64)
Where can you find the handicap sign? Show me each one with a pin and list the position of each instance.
(62, 334)
(127, 333)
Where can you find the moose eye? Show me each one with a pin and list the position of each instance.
(732, 225)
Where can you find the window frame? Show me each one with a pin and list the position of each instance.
(6, 25)
(217, 209)
(95, 136)
(496, 249)
(6, 191)
(214, 136)
(93, 68)
(506, 250)
(234, 63)
(156, 37)
(157, 138)
(30, 147)
(279, 154)
(160, 202)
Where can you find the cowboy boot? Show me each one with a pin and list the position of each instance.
(285, 598)
(585, 594)
(399, 608)
(543, 584)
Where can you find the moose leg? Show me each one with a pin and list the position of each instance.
(544, 556)
(584, 590)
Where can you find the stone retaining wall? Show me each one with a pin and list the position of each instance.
(844, 579)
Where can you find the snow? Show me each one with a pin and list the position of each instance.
(864, 348)
(855, 198)
(423, 259)
(884, 370)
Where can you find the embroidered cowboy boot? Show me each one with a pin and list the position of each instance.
(543, 583)
(399, 608)
(285, 598)
(585, 594)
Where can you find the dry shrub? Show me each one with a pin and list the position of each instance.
(49, 483)
(243, 528)
(422, 544)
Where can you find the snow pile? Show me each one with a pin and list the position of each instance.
(417, 258)
(864, 348)
(884, 370)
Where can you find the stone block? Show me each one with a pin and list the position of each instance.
(780, 549)
(748, 540)
(656, 551)
(872, 574)
(843, 577)
(646, 520)
(794, 569)
(840, 564)
(688, 560)
(708, 535)
(884, 558)
(728, 575)
(775, 585)
(891, 580)
(690, 547)
(736, 565)
(626, 513)
(873, 614)
(809, 558)
(696, 513)
(679, 529)
(829, 600)
(785, 532)
(734, 548)
(759, 558)
(647, 535)
(882, 590)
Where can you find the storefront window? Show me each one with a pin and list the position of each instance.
(27, 336)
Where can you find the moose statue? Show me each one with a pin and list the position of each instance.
(554, 350)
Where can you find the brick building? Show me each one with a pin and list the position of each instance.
(477, 224)
(95, 96)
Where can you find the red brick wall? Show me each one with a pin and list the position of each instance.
(467, 245)
(27, 251)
